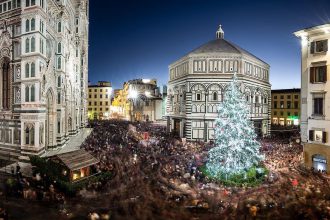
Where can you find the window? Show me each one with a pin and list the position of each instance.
(275, 96)
(275, 112)
(33, 44)
(106, 103)
(95, 103)
(95, 90)
(296, 104)
(101, 90)
(275, 104)
(215, 96)
(281, 104)
(33, 70)
(33, 93)
(282, 96)
(318, 136)
(100, 96)
(296, 96)
(27, 70)
(33, 24)
(289, 113)
(288, 96)
(100, 103)
(33, 2)
(5, 84)
(100, 109)
(318, 105)
(106, 96)
(27, 94)
(58, 127)
(319, 46)
(59, 27)
(27, 25)
(59, 63)
(90, 96)
(59, 98)
(95, 96)
(59, 81)
(198, 97)
(281, 113)
(89, 103)
(318, 74)
(27, 3)
(59, 47)
(27, 45)
(9, 5)
(288, 104)
(265, 100)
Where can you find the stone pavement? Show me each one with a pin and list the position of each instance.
(73, 144)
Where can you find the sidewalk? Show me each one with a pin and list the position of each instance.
(73, 144)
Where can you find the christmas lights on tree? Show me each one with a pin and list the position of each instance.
(236, 148)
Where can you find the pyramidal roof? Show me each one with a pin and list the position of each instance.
(220, 45)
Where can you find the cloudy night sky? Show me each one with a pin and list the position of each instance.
(140, 38)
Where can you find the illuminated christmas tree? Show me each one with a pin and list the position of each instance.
(236, 148)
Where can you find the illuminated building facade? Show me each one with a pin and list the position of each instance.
(197, 83)
(315, 113)
(99, 100)
(145, 100)
(43, 74)
(286, 107)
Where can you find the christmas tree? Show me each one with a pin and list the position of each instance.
(236, 148)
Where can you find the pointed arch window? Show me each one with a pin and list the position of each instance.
(59, 27)
(33, 24)
(27, 135)
(32, 136)
(33, 69)
(59, 47)
(33, 99)
(27, 94)
(27, 25)
(27, 45)
(33, 44)
(5, 84)
(215, 96)
(59, 63)
(27, 70)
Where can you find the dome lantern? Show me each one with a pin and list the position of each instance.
(220, 33)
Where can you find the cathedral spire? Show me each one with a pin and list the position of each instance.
(220, 33)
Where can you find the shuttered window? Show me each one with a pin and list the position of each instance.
(319, 46)
(318, 74)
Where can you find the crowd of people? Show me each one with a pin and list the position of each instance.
(157, 175)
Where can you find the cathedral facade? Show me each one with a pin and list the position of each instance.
(43, 74)
(197, 83)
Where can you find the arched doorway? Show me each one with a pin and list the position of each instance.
(319, 162)
(50, 120)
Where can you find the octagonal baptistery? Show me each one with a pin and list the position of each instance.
(199, 79)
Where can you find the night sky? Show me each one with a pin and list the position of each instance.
(140, 38)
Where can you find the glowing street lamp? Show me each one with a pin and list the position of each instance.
(133, 94)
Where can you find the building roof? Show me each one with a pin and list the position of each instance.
(222, 46)
(78, 159)
(285, 91)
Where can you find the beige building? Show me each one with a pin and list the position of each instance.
(315, 97)
(43, 74)
(286, 107)
(99, 100)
